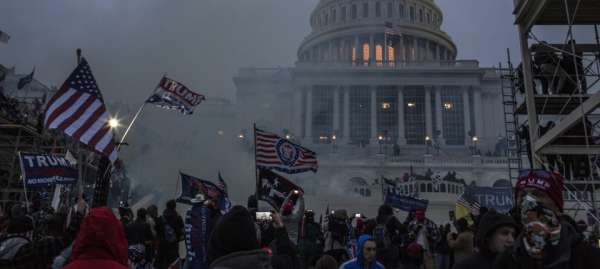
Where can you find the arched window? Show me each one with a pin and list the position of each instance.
(365, 10)
(401, 11)
(412, 14)
(334, 15)
(366, 56)
(378, 54)
(391, 54)
(420, 15)
(377, 9)
(354, 12)
(343, 14)
(390, 10)
(326, 18)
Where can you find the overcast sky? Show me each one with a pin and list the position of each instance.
(130, 44)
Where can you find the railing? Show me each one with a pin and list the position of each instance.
(460, 64)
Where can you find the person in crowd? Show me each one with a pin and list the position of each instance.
(101, 242)
(425, 233)
(461, 244)
(495, 234)
(442, 249)
(234, 244)
(170, 234)
(326, 262)
(311, 241)
(337, 230)
(292, 211)
(140, 237)
(52, 243)
(283, 250)
(16, 247)
(546, 241)
(198, 227)
(366, 257)
(387, 235)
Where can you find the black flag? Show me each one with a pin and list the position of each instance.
(274, 188)
(25, 80)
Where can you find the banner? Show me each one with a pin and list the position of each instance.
(500, 199)
(42, 170)
(274, 188)
(174, 95)
(190, 186)
(405, 203)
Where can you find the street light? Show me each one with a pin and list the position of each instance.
(333, 146)
(113, 123)
(241, 136)
(427, 144)
(475, 140)
(380, 138)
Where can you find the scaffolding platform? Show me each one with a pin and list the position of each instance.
(554, 104)
(552, 12)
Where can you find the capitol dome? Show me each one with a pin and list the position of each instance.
(355, 31)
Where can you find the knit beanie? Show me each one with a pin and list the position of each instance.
(234, 232)
(547, 182)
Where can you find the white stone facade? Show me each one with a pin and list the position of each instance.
(371, 110)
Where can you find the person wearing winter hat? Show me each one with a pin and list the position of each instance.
(496, 233)
(547, 241)
(233, 243)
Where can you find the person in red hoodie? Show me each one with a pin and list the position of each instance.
(100, 244)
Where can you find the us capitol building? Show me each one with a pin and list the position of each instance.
(377, 92)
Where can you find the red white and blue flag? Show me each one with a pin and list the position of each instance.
(277, 153)
(172, 94)
(78, 110)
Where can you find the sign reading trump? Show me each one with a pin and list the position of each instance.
(41, 170)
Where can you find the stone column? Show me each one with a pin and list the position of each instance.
(330, 46)
(371, 50)
(467, 114)
(297, 112)
(356, 49)
(401, 132)
(346, 136)
(439, 125)
(416, 47)
(336, 111)
(428, 114)
(308, 119)
(437, 52)
(373, 90)
(478, 113)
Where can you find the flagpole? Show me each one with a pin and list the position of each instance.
(255, 169)
(137, 114)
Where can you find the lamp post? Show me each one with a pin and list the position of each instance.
(333, 145)
(475, 140)
(380, 139)
(427, 144)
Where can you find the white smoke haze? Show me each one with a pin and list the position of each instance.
(131, 44)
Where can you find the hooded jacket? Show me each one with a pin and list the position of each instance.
(485, 257)
(358, 262)
(570, 252)
(101, 242)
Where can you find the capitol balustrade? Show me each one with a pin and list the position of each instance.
(458, 64)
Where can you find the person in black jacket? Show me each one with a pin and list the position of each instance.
(547, 241)
(169, 234)
(387, 235)
(496, 233)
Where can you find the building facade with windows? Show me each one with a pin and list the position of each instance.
(377, 91)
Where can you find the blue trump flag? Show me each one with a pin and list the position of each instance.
(41, 170)
(404, 202)
(500, 199)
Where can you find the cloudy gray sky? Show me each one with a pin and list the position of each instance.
(130, 44)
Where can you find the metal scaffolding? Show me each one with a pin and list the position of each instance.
(566, 94)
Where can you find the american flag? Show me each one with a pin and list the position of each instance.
(274, 152)
(78, 110)
(469, 202)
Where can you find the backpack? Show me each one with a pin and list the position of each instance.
(339, 230)
(170, 234)
(381, 235)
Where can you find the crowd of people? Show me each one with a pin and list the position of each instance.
(535, 234)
